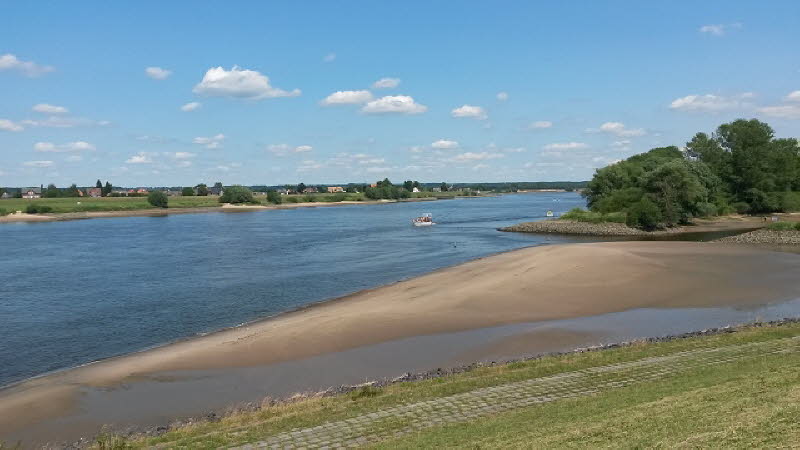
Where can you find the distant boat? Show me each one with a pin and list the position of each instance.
(549, 213)
(425, 220)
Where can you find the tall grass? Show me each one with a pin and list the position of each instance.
(784, 226)
(581, 215)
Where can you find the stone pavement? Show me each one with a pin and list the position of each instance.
(403, 419)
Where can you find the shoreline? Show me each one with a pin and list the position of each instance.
(447, 300)
(160, 212)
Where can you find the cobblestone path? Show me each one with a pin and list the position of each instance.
(399, 420)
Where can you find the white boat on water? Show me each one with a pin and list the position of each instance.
(550, 214)
(425, 220)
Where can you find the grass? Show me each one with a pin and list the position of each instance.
(581, 215)
(752, 402)
(83, 204)
(784, 226)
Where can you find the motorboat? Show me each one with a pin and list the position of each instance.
(425, 220)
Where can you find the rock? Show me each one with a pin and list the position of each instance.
(764, 236)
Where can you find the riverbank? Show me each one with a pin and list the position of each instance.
(765, 237)
(529, 285)
(21, 217)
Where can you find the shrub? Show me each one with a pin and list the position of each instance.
(790, 202)
(158, 199)
(187, 192)
(705, 209)
(38, 209)
(759, 201)
(292, 199)
(3, 212)
(237, 194)
(274, 197)
(644, 214)
(581, 215)
(784, 226)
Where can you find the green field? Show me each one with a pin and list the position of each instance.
(754, 401)
(83, 204)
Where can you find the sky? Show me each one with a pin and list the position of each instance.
(153, 93)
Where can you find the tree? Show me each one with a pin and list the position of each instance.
(237, 194)
(408, 185)
(158, 199)
(677, 190)
(187, 192)
(72, 191)
(444, 187)
(301, 187)
(202, 190)
(51, 191)
(98, 184)
(107, 189)
(644, 214)
(274, 197)
(218, 185)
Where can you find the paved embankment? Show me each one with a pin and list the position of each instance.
(774, 237)
(578, 228)
(400, 420)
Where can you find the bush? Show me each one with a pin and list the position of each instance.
(790, 201)
(741, 207)
(644, 214)
(705, 209)
(237, 194)
(3, 212)
(759, 201)
(187, 192)
(292, 199)
(784, 226)
(158, 199)
(274, 197)
(38, 209)
(581, 215)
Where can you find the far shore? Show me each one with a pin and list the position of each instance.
(158, 212)
(528, 285)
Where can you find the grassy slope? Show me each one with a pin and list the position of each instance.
(746, 403)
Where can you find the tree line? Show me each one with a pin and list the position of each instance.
(741, 167)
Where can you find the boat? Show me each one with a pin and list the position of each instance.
(425, 220)
(550, 214)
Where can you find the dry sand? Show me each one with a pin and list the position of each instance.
(536, 284)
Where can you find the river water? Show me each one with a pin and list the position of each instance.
(79, 291)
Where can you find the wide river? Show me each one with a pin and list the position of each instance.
(79, 291)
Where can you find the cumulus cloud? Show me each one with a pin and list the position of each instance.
(719, 29)
(27, 68)
(39, 164)
(394, 104)
(7, 125)
(793, 97)
(618, 129)
(77, 146)
(566, 146)
(49, 109)
(347, 98)
(710, 102)
(782, 111)
(386, 83)
(502, 96)
(444, 144)
(210, 142)
(378, 169)
(191, 106)
(184, 155)
(65, 122)
(330, 57)
(476, 156)
(540, 125)
(157, 73)
(139, 158)
(309, 165)
(284, 149)
(469, 111)
(239, 83)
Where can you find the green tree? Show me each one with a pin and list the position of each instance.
(98, 185)
(644, 214)
(444, 187)
(237, 194)
(274, 197)
(218, 185)
(188, 192)
(72, 191)
(301, 187)
(158, 199)
(202, 190)
(52, 191)
(107, 189)
(408, 185)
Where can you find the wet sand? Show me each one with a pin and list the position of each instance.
(530, 285)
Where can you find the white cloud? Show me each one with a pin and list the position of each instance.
(623, 144)
(191, 106)
(347, 98)
(77, 146)
(386, 83)
(50, 109)
(140, 158)
(469, 111)
(65, 122)
(782, 112)
(309, 165)
(793, 97)
(239, 83)
(284, 149)
(7, 125)
(710, 102)
(566, 146)
(471, 156)
(480, 166)
(183, 163)
(502, 96)
(397, 104)
(157, 73)
(540, 124)
(27, 68)
(379, 169)
(40, 164)
(184, 155)
(720, 29)
(444, 144)
(210, 142)
(74, 158)
(619, 129)
(330, 57)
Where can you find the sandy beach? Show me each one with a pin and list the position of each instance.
(535, 284)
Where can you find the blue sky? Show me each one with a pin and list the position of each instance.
(472, 91)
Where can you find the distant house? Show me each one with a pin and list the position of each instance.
(215, 191)
(119, 193)
(94, 192)
(6, 194)
(142, 191)
(174, 193)
(31, 192)
(437, 189)
(310, 190)
(416, 189)
(334, 189)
